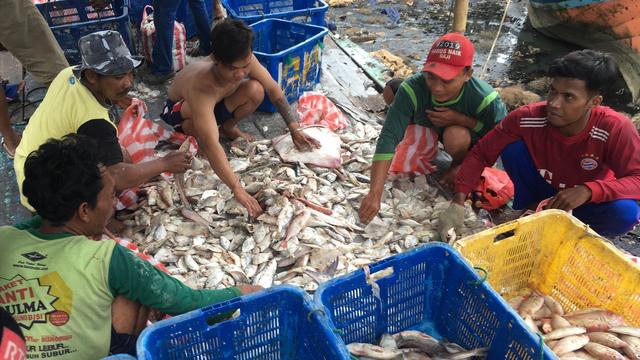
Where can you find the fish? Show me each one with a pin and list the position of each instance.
(531, 305)
(606, 339)
(515, 302)
(328, 155)
(564, 332)
(596, 320)
(570, 343)
(372, 351)
(215, 230)
(632, 352)
(558, 322)
(554, 306)
(418, 340)
(626, 330)
(602, 352)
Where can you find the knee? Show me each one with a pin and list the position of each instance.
(512, 151)
(255, 91)
(627, 214)
(456, 139)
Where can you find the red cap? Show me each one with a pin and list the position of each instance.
(449, 55)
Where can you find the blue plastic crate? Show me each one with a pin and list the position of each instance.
(292, 53)
(278, 323)
(431, 289)
(251, 11)
(70, 20)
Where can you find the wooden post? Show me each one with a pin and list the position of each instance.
(460, 10)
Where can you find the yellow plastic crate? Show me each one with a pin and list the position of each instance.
(555, 253)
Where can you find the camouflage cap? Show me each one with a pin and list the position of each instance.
(105, 53)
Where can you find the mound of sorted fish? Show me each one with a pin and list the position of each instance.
(413, 345)
(309, 231)
(583, 334)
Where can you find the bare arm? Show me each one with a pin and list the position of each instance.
(279, 100)
(206, 129)
(371, 203)
(129, 175)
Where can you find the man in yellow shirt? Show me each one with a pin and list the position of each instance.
(78, 101)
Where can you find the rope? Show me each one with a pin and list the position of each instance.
(485, 274)
(541, 343)
(495, 41)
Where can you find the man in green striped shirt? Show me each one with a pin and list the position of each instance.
(445, 97)
(76, 298)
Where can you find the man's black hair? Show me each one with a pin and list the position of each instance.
(8, 322)
(596, 69)
(60, 176)
(231, 40)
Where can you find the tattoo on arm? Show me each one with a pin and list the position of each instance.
(285, 111)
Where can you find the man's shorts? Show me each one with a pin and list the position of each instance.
(122, 343)
(171, 113)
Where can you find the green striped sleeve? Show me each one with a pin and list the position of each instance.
(411, 93)
(382, 157)
(486, 101)
(478, 127)
(398, 118)
(140, 281)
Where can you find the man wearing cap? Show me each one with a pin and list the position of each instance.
(78, 101)
(444, 97)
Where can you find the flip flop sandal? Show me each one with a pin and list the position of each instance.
(6, 149)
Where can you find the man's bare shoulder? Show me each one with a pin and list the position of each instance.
(194, 80)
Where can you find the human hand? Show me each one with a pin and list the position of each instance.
(248, 201)
(369, 207)
(571, 198)
(444, 116)
(451, 218)
(304, 142)
(248, 289)
(177, 161)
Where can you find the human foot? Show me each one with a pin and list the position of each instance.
(234, 133)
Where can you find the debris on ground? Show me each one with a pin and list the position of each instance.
(516, 96)
(394, 62)
(539, 85)
(340, 3)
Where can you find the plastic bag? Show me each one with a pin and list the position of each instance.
(416, 152)
(179, 46)
(316, 109)
(494, 189)
(139, 137)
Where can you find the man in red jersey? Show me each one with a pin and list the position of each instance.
(570, 148)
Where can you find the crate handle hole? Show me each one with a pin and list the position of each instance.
(215, 319)
(504, 235)
(380, 274)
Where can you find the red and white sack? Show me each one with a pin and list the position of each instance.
(179, 45)
(139, 137)
(416, 151)
(316, 109)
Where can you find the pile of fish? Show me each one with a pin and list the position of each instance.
(309, 231)
(413, 345)
(583, 334)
